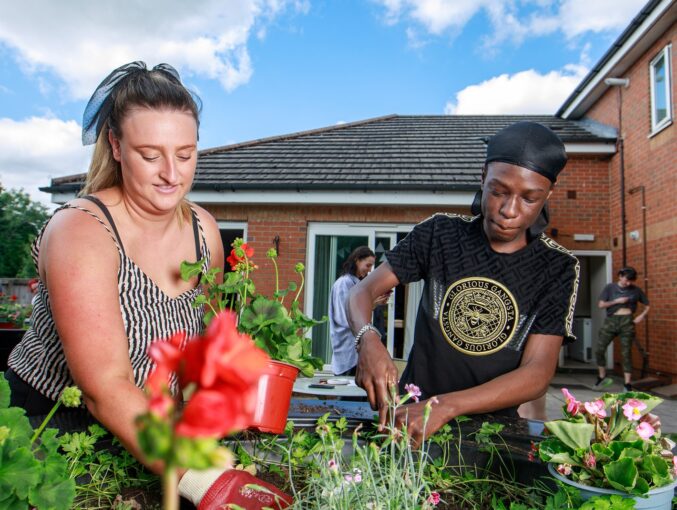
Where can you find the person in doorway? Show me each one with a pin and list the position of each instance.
(358, 265)
(499, 295)
(109, 263)
(620, 301)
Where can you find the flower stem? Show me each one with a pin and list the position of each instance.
(303, 281)
(170, 493)
(37, 433)
(277, 277)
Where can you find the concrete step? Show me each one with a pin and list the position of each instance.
(646, 383)
(667, 392)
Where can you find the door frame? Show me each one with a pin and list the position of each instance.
(368, 230)
(608, 269)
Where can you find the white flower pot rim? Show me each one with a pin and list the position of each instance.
(602, 490)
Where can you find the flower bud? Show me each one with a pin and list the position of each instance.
(71, 396)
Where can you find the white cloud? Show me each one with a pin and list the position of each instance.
(508, 21)
(82, 41)
(34, 150)
(579, 16)
(526, 92)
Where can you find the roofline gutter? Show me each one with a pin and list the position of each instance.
(635, 30)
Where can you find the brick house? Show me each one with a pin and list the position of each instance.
(641, 174)
(317, 194)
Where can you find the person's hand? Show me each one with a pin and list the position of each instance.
(413, 417)
(377, 375)
(382, 299)
(622, 299)
(638, 319)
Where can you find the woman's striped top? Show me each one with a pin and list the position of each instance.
(147, 312)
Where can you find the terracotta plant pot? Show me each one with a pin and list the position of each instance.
(657, 499)
(274, 395)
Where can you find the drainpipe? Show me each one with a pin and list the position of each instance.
(621, 83)
(634, 190)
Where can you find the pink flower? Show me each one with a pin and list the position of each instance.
(332, 465)
(674, 464)
(357, 475)
(595, 408)
(573, 405)
(434, 498)
(645, 430)
(633, 408)
(589, 460)
(413, 390)
(564, 469)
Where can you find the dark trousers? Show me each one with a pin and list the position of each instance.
(623, 327)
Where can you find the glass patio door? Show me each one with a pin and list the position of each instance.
(330, 253)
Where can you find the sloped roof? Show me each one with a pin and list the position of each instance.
(396, 152)
(393, 152)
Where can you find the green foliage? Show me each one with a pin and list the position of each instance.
(320, 467)
(32, 473)
(14, 312)
(20, 221)
(610, 443)
(278, 329)
(104, 474)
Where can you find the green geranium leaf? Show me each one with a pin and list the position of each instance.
(20, 430)
(191, 269)
(574, 435)
(54, 493)
(260, 313)
(622, 474)
(295, 350)
(19, 471)
(4, 392)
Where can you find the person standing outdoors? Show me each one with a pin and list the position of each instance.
(358, 265)
(499, 295)
(620, 301)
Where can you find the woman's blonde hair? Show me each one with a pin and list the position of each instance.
(152, 89)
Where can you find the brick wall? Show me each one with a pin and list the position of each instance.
(649, 162)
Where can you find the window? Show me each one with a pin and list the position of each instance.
(661, 103)
(229, 231)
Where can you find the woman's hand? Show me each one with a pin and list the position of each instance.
(382, 299)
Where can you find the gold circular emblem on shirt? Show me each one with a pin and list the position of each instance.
(478, 316)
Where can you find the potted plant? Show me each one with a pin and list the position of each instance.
(13, 314)
(278, 328)
(612, 446)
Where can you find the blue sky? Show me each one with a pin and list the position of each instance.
(270, 67)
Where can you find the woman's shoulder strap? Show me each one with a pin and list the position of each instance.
(109, 217)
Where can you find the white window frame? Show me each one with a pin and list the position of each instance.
(666, 55)
(234, 225)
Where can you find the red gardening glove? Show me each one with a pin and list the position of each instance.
(239, 487)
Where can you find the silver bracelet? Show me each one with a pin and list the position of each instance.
(361, 333)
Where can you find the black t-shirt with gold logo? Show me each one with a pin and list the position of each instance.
(479, 306)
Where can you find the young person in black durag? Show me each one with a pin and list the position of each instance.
(498, 299)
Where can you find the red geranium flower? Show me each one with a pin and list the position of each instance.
(239, 255)
(217, 411)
